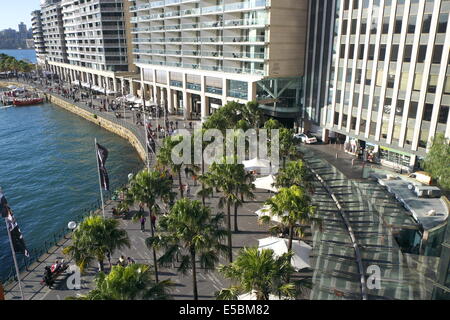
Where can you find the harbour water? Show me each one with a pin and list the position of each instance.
(26, 54)
(48, 170)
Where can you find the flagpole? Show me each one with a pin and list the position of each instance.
(14, 258)
(145, 130)
(99, 179)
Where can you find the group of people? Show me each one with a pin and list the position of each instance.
(143, 220)
(125, 262)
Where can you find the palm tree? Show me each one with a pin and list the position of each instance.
(287, 144)
(96, 238)
(164, 158)
(190, 233)
(259, 272)
(293, 206)
(147, 187)
(223, 176)
(133, 282)
(295, 173)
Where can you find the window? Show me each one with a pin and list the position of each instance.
(408, 52)
(394, 52)
(385, 28)
(412, 24)
(442, 23)
(398, 25)
(426, 23)
(432, 84)
(427, 112)
(443, 114)
(382, 54)
(437, 53)
(422, 53)
(412, 112)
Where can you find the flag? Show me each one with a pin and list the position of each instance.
(16, 235)
(102, 155)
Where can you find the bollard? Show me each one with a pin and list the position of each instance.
(336, 155)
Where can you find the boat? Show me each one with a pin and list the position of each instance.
(27, 101)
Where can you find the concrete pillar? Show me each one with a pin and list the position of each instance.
(170, 101)
(115, 85)
(176, 102)
(251, 91)
(224, 91)
(204, 107)
(187, 104)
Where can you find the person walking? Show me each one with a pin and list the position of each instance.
(188, 190)
(143, 220)
(153, 221)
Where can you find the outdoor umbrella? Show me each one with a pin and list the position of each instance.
(265, 211)
(301, 250)
(256, 164)
(252, 296)
(266, 183)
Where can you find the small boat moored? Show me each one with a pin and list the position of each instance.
(27, 101)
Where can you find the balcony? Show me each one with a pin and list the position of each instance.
(203, 67)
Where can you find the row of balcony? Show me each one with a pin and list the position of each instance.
(204, 53)
(227, 39)
(199, 11)
(202, 67)
(204, 25)
(208, 89)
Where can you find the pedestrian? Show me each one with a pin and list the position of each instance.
(130, 261)
(188, 190)
(141, 207)
(176, 124)
(190, 125)
(194, 177)
(153, 221)
(143, 220)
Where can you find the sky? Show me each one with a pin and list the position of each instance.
(12, 12)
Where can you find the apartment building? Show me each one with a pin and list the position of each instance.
(384, 82)
(87, 42)
(195, 55)
(38, 36)
(53, 31)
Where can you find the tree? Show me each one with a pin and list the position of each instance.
(190, 233)
(96, 238)
(133, 282)
(259, 272)
(164, 158)
(437, 161)
(147, 187)
(228, 179)
(295, 173)
(287, 144)
(293, 206)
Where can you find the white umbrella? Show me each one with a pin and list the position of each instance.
(256, 164)
(266, 183)
(300, 259)
(265, 211)
(11, 87)
(252, 296)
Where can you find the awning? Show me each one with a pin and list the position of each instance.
(301, 250)
(266, 183)
(256, 164)
(265, 211)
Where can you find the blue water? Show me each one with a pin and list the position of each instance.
(28, 54)
(48, 170)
